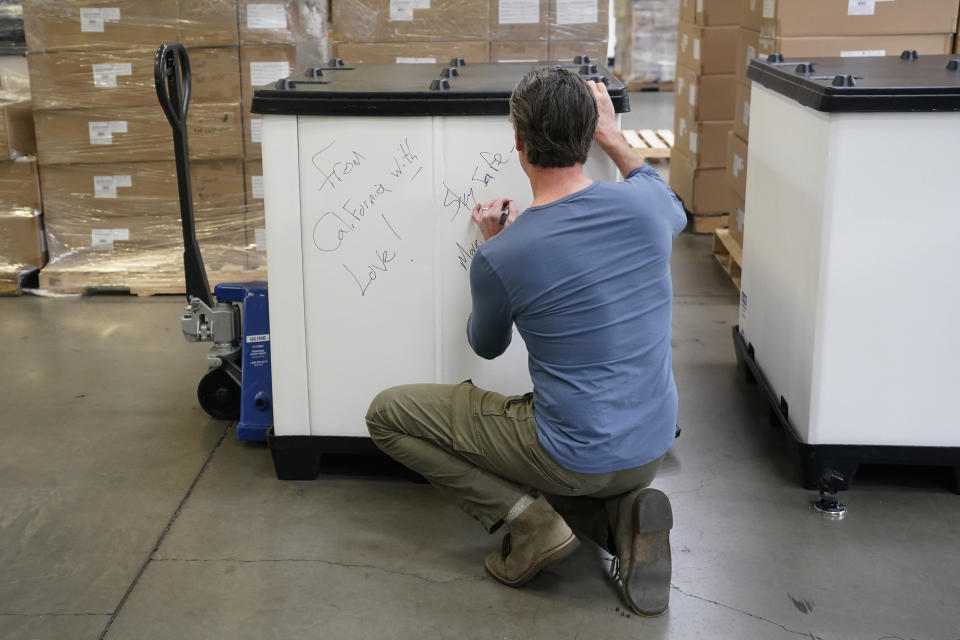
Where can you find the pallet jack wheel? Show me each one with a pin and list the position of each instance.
(219, 395)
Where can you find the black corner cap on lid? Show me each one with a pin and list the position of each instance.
(588, 70)
(413, 90)
(864, 84)
(314, 72)
(775, 58)
(953, 65)
(909, 54)
(458, 62)
(581, 60)
(805, 67)
(335, 62)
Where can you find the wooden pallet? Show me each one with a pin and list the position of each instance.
(648, 143)
(138, 283)
(729, 254)
(144, 274)
(704, 223)
(636, 85)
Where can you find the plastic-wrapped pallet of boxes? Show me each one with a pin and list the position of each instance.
(824, 28)
(21, 226)
(384, 31)
(705, 89)
(105, 150)
(646, 53)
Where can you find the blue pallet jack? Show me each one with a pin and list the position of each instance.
(238, 383)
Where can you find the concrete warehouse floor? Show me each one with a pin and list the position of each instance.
(127, 513)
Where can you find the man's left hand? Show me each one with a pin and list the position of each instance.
(487, 216)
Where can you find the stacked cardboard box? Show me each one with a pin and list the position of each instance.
(823, 28)
(646, 54)
(477, 31)
(705, 89)
(22, 246)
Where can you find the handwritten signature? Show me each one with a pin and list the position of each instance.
(336, 172)
(379, 266)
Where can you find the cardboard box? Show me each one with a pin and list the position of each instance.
(703, 143)
(87, 79)
(741, 112)
(737, 218)
(16, 129)
(857, 17)
(711, 13)
(706, 97)
(703, 191)
(518, 51)
(566, 51)
(412, 52)
(208, 23)
(707, 50)
(22, 244)
(134, 134)
(512, 21)
(832, 46)
(751, 14)
(274, 22)
(264, 64)
(70, 25)
(737, 164)
(391, 21)
(576, 20)
(109, 207)
(20, 186)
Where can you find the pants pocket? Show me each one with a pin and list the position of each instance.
(463, 430)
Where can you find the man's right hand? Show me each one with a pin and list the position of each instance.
(606, 133)
(608, 136)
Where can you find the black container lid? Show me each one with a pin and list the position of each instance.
(450, 89)
(870, 84)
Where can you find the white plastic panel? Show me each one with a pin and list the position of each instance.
(370, 225)
(281, 190)
(891, 301)
(786, 182)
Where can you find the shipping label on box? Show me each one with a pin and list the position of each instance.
(578, 20)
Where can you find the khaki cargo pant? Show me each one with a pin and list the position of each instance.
(481, 449)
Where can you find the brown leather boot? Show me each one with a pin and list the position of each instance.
(538, 537)
(642, 533)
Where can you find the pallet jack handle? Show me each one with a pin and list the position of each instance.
(171, 71)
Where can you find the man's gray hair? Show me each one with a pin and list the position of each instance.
(555, 115)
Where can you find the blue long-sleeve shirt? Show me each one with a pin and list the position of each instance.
(586, 280)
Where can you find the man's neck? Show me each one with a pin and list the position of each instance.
(550, 185)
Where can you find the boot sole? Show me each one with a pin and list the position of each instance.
(556, 554)
(647, 586)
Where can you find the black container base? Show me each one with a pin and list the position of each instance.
(814, 459)
(307, 457)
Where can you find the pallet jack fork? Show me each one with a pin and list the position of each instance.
(235, 317)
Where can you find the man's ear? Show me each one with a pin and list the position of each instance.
(517, 143)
